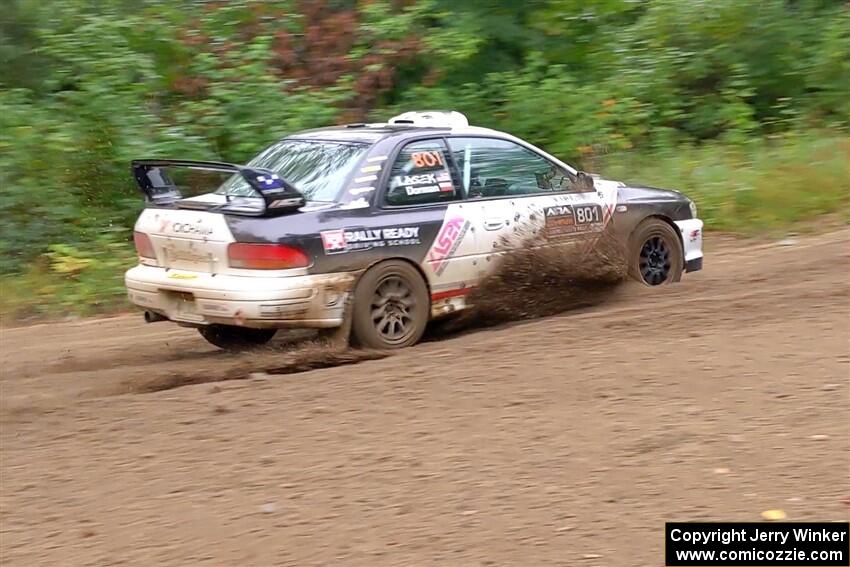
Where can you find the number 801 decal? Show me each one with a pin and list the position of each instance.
(427, 159)
(587, 214)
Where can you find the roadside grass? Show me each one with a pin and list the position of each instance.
(764, 187)
(66, 281)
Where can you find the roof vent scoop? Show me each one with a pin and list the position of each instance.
(431, 118)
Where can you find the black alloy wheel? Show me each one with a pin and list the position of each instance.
(391, 306)
(657, 256)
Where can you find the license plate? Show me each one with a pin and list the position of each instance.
(184, 306)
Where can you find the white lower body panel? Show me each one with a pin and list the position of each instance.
(260, 302)
(691, 231)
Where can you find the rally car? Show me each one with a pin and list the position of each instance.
(389, 225)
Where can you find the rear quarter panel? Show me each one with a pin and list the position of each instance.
(346, 240)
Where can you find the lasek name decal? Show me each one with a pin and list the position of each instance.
(340, 241)
(425, 183)
(447, 242)
(564, 220)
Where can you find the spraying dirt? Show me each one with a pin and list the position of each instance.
(536, 282)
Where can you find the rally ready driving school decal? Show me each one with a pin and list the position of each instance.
(341, 241)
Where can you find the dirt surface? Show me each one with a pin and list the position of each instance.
(561, 441)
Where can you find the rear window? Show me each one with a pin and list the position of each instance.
(420, 175)
(318, 169)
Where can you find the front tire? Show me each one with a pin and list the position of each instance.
(391, 307)
(655, 255)
(229, 337)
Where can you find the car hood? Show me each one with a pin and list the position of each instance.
(634, 192)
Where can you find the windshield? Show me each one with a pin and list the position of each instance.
(317, 169)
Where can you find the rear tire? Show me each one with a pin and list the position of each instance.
(655, 253)
(391, 307)
(229, 337)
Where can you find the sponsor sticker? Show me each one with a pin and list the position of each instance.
(447, 242)
(444, 182)
(333, 241)
(339, 241)
(424, 179)
(565, 220)
(189, 228)
(422, 189)
(285, 202)
(370, 168)
(424, 183)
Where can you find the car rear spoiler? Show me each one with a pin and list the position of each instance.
(277, 195)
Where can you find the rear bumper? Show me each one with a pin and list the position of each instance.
(691, 231)
(260, 302)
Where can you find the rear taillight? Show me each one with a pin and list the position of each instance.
(266, 256)
(144, 247)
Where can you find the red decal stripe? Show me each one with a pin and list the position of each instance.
(450, 293)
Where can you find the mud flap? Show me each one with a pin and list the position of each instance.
(340, 337)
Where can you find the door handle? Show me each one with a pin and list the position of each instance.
(493, 224)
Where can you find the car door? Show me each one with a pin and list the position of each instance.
(421, 187)
(521, 197)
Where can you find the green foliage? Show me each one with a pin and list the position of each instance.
(679, 92)
(69, 280)
(761, 185)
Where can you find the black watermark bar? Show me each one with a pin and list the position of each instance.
(757, 544)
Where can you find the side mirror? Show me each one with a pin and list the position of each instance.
(584, 182)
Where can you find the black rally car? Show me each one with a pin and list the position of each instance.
(402, 219)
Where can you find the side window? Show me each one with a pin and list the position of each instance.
(491, 167)
(420, 174)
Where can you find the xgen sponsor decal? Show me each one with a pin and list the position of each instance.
(341, 241)
(447, 242)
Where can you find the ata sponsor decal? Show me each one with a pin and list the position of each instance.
(565, 220)
(446, 244)
(340, 241)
